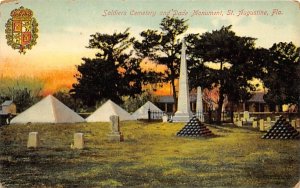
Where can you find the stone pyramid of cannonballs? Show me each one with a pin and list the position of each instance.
(282, 129)
(194, 128)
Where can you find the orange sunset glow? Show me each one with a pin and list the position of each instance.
(53, 79)
(62, 78)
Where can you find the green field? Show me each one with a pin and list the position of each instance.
(150, 156)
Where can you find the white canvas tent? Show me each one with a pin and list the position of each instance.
(108, 109)
(142, 112)
(48, 110)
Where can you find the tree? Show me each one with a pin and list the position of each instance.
(232, 60)
(23, 98)
(113, 73)
(24, 91)
(282, 75)
(131, 104)
(65, 97)
(163, 48)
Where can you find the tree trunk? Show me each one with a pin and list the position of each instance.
(209, 116)
(231, 111)
(221, 96)
(280, 107)
(219, 110)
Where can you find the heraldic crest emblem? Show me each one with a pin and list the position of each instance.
(21, 29)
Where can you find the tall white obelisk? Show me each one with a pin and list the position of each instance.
(183, 113)
(199, 105)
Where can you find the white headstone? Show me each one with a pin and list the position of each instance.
(183, 113)
(165, 118)
(246, 115)
(115, 127)
(115, 134)
(78, 141)
(239, 123)
(261, 125)
(199, 105)
(33, 140)
(293, 123)
(254, 124)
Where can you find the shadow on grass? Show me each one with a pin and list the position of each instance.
(151, 156)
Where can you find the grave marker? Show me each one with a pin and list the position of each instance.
(293, 123)
(33, 140)
(199, 104)
(239, 123)
(165, 118)
(246, 115)
(78, 141)
(254, 124)
(115, 134)
(261, 125)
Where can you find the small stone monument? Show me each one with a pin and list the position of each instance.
(261, 125)
(254, 124)
(165, 118)
(78, 141)
(33, 140)
(199, 105)
(239, 123)
(115, 134)
(293, 123)
(246, 115)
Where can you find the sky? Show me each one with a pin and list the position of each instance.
(65, 26)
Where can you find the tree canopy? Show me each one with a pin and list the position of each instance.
(218, 58)
(282, 78)
(226, 61)
(163, 47)
(113, 73)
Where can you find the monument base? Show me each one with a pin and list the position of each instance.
(182, 117)
(116, 137)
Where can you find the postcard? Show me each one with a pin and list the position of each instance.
(147, 93)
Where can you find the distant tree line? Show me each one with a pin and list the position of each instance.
(116, 72)
(23, 91)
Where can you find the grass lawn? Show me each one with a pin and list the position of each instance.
(151, 156)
